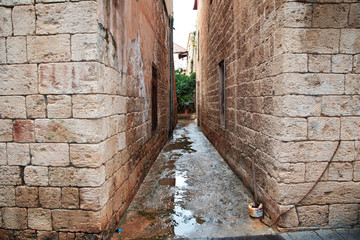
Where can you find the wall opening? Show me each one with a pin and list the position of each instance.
(222, 92)
(154, 98)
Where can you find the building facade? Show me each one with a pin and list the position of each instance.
(84, 111)
(278, 89)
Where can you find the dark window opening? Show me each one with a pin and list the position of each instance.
(154, 105)
(222, 92)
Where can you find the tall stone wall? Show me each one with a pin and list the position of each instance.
(76, 135)
(292, 93)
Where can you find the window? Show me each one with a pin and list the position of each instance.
(154, 107)
(222, 92)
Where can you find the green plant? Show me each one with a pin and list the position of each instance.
(185, 88)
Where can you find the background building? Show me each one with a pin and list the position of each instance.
(180, 57)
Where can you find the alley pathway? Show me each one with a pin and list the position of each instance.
(190, 192)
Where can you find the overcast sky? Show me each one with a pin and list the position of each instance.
(184, 21)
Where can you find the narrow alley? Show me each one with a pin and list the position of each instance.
(190, 192)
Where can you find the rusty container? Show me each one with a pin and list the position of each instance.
(256, 212)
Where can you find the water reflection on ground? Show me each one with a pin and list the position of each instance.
(190, 192)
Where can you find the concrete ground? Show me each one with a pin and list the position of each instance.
(190, 192)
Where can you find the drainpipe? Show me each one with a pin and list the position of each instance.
(171, 23)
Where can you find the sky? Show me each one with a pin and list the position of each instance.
(184, 21)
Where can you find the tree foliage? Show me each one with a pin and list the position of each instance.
(185, 87)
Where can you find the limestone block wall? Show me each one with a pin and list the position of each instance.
(76, 135)
(292, 93)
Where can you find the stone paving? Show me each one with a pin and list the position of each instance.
(191, 193)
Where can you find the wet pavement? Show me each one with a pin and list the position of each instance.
(190, 192)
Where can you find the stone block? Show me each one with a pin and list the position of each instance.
(39, 219)
(77, 177)
(70, 198)
(18, 154)
(122, 123)
(53, 48)
(10, 175)
(59, 106)
(67, 17)
(18, 79)
(336, 105)
(6, 129)
(7, 196)
(5, 21)
(309, 151)
(343, 215)
(309, 84)
(357, 63)
(354, 16)
(346, 152)
(35, 106)
(50, 154)
(319, 63)
(350, 128)
(330, 15)
(95, 198)
(294, 62)
(87, 155)
(12, 107)
(16, 2)
(311, 40)
(24, 20)
(2, 51)
(352, 84)
(341, 171)
(24, 131)
(66, 236)
(323, 193)
(297, 14)
(36, 176)
(357, 171)
(122, 141)
(71, 130)
(76, 221)
(297, 106)
(314, 170)
(3, 158)
(350, 41)
(313, 216)
(357, 150)
(341, 63)
(50, 197)
(84, 47)
(69, 78)
(92, 106)
(45, 235)
(15, 218)
(290, 219)
(112, 80)
(321, 128)
(16, 49)
(27, 196)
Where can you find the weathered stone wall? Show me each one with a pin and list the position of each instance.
(76, 134)
(292, 92)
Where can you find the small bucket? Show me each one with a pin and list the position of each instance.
(256, 212)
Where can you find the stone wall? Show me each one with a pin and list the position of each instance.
(292, 92)
(76, 135)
